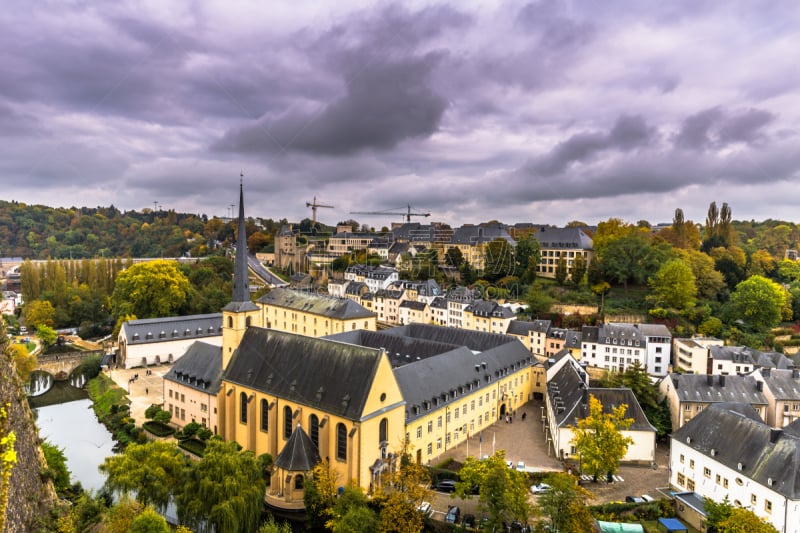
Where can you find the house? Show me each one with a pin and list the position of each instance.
(458, 298)
(437, 312)
(487, 315)
(567, 402)
(411, 312)
(616, 347)
(782, 391)
(731, 360)
(688, 395)
(153, 341)
(558, 243)
(472, 241)
(691, 355)
(727, 451)
(192, 384)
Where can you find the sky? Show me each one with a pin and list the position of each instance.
(543, 112)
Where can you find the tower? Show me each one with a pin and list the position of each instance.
(240, 312)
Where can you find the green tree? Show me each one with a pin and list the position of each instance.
(319, 494)
(609, 231)
(710, 327)
(39, 313)
(710, 282)
(225, 489)
(454, 257)
(743, 520)
(24, 361)
(398, 515)
(636, 378)
(527, 254)
(673, 286)
(153, 471)
(561, 271)
(759, 302)
(632, 258)
(271, 526)
(539, 302)
(579, 268)
(498, 259)
(760, 263)
(57, 469)
(149, 521)
(598, 438)
(503, 493)
(148, 290)
(47, 336)
(120, 516)
(565, 504)
(352, 514)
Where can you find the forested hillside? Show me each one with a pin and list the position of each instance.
(40, 232)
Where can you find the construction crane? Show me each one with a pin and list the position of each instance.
(314, 205)
(408, 214)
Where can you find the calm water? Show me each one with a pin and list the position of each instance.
(73, 426)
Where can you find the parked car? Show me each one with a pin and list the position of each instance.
(425, 508)
(633, 499)
(468, 521)
(541, 488)
(521, 466)
(648, 498)
(510, 464)
(453, 513)
(445, 485)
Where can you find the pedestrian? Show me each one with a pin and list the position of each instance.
(523, 416)
(146, 391)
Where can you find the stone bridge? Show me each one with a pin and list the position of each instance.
(61, 365)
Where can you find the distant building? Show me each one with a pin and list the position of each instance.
(558, 243)
(192, 384)
(153, 341)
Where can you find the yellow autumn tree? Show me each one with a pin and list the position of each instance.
(598, 438)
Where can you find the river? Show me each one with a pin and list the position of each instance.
(73, 426)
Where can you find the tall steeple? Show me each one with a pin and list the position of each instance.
(241, 292)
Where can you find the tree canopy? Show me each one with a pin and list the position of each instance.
(151, 289)
(759, 301)
(598, 438)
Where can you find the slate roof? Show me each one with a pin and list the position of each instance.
(329, 306)
(173, 328)
(479, 341)
(469, 234)
(298, 454)
(488, 308)
(439, 303)
(400, 349)
(750, 356)
(569, 385)
(416, 306)
(765, 453)
(332, 376)
(200, 368)
(783, 384)
(520, 327)
(714, 389)
(563, 238)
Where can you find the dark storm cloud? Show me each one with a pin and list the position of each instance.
(717, 127)
(383, 105)
(626, 134)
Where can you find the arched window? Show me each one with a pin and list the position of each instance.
(313, 429)
(383, 432)
(287, 422)
(243, 408)
(230, 321)
(264, 415)
(341, 442)
(298, 482)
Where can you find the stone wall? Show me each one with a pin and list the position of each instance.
(28, 496)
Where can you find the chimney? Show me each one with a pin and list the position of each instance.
(765, 372)
(721, 380)
(760, 386)
(675, 380)
(710, 379)
(774, 434)
(585, 397)
(795, 372)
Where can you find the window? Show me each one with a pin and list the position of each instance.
(298, 482)
(264, 415)
(341, 442)
(383, 431)
(753, 499)
(681, 480)
(243, 408)
(439, 422)
(430, 426)
(313, 429)
(690, 485)
(691, 463)
(430, 448)
(287, 422)
(725, 482)
(682, 459)
(439, 443)
(768, 506)
(719, 479)
(419, 432)
(707, 472)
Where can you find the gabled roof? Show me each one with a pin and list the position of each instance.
(439, 303)
(520, 327)
(714, 389)
(328, 306)
(783, 384)
(400, 349)
(758, 451)
(172, 328)
(478, 341)
(488, 308)
(298, 454)
(563, 238)
(332, 376)
(200, 368)
(469, 234)
(415, 306)
(569, 386)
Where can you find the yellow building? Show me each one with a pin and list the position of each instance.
(486, 315)
(344, 397)
(312, 314)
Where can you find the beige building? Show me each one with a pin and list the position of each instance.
(691, 355)
(782, 390)
(488, 316)
(558, 243)
(192, 384)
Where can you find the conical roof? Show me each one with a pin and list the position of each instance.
(299, 454)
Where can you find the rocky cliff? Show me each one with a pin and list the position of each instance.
(29, 498)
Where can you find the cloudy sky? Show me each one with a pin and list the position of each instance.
(541, 112)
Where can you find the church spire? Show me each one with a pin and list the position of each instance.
(241, 292)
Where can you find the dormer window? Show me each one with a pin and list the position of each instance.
(149, 335)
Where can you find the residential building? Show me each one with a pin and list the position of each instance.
(691, 355)
(458, 299)
(152, 341)
(192, 384)
(616, 347)
(437, 312)
(782, 391)
(567, 402)
(345, 241)
(411, 312)
(557, 243)
(730, 360)
(688, 395)
(312, 314)
(473, 240)
(483, 315)
(727, 451)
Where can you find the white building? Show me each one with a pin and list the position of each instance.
(728, 451)
(616, 347)
(153, 341)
